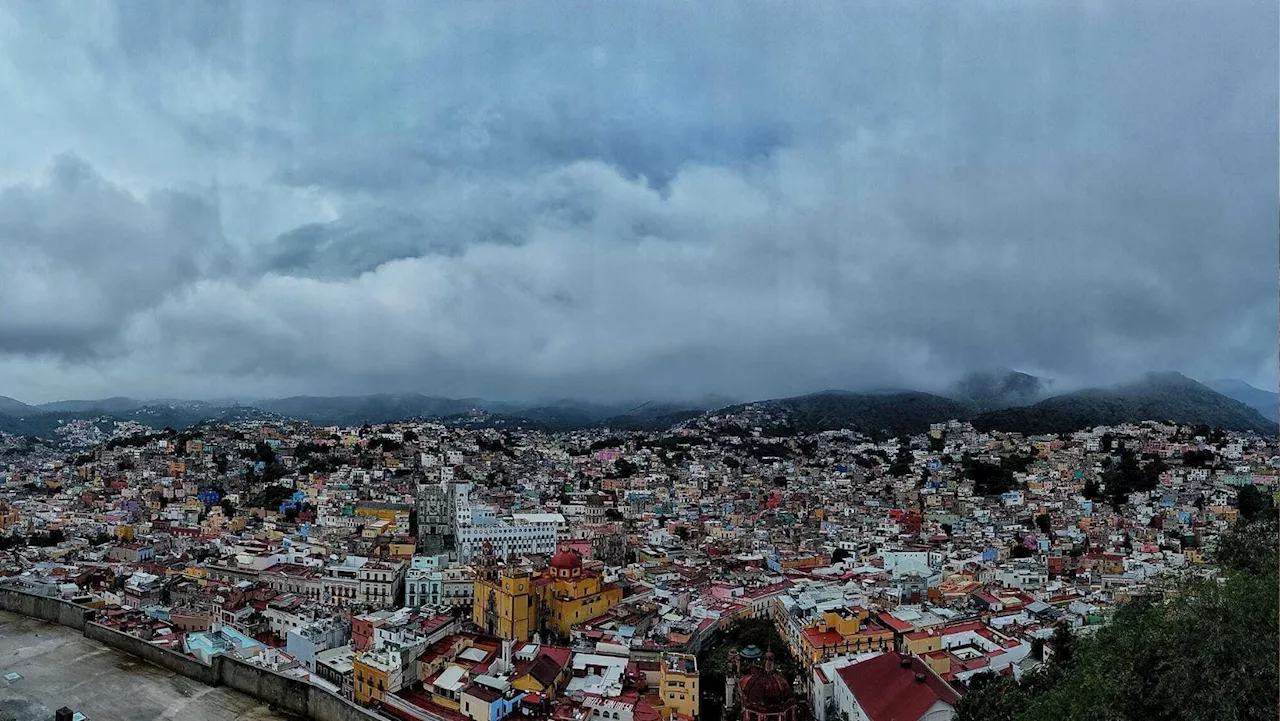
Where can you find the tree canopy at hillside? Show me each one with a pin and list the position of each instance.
(1203, 650)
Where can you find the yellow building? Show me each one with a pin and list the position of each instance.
(678, 686)
(400, 549)
(395, 514)
(9, 516)
(921, 642)
(843, 631)
(571, 594)
(503, 603)
(512, 603)
(647, 555)
(370, 680)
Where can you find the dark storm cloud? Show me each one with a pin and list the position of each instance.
(79, 256)
(634, 200)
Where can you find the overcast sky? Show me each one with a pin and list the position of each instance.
(621, 200)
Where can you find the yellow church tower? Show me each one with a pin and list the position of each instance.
(503, 604)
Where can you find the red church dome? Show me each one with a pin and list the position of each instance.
(566, 559)
(767, 692)
(767, 695)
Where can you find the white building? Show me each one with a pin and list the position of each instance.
(431, 581)
(380, 583)
(519, 534)
(508, 538)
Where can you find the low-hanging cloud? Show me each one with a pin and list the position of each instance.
(619, 202)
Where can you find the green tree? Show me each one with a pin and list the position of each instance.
(264, 453)
(1253, 503)
(1044, 523)
(1204, 649)
(1092, 491)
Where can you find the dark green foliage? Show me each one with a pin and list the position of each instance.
(763, 450)
(1092, 491)
(902, 462)
(1044, 523)
(1198, 459)
(866, 461)
(1204, 652)
(1253, 503)
(622, 468)
(45, 539)
(990, 479)
(1158, 397)
(900, 413)
(269, 497)
(1017, 463)
(263, 453)
(1129, 476)
(389, 445)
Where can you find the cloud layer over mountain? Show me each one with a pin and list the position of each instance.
(611, 201)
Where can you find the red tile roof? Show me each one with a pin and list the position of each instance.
(894, 622)
(888, 690)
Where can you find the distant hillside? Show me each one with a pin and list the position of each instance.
(993, 390)
(1267, 403)
(118, 404)
(355, 410)
(561, 415)
(897, 412)
(1157, 397)
(652, 416)
(1167, 396)
(12, 406)
(184, 414)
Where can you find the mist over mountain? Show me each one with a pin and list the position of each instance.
(354, 410)
(118, 404)
(1267, 403)
(892, 412)
(994, 400)
(1163, 396)
(993, 390)
(13, 406)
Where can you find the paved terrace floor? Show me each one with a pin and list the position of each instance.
(60, 667)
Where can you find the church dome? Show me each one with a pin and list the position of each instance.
(566, 559)
(767, 692)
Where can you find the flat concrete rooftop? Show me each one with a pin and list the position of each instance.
(60, 667)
